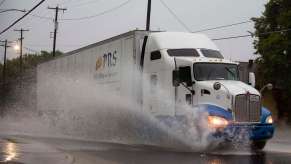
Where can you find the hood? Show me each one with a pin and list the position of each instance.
(234, 87)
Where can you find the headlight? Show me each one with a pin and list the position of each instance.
(217, 122)
(269, 120)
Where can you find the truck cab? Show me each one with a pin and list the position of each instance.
(185, 69)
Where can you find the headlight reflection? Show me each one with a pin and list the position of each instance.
(269, 120)
(10, 151)
(217, 122)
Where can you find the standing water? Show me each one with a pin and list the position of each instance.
(82, 109)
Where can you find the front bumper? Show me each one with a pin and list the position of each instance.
(243, 132)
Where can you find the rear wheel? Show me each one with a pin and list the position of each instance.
(258, 145)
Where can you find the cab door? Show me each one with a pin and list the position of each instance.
(186, 96)
(157, 85)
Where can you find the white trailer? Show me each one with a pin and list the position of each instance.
(112, 63)
(175, 69)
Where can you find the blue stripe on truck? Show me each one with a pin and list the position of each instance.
(265, 114)
(214, 110)
(255, 131)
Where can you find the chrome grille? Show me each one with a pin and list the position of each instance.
(247, 108)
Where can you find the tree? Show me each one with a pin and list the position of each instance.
(30, 61)
(18, 91)
(274, 64)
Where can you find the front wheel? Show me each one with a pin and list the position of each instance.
(258, 145)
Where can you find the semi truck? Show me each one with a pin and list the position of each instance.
(162, 72)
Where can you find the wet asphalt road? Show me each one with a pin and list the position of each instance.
(28, 150)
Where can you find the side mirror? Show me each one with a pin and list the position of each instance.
(185, 75)
(252, 79)
(176, 78)
(269, 86)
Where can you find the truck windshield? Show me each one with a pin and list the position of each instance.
(215, 71)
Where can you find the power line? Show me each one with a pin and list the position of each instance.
(99, 14)
(224, 26)
(233, 37)
(22, 17)
(3, 10)
(86, 17)
(252, 35)
(42, 13)
(45, 17)
(175, 16)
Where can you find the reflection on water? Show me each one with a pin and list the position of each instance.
(215, 161)
(9, 151)
(122, 154)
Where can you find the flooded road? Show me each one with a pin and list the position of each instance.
(19, 151)
(30, 150)
(145, 157)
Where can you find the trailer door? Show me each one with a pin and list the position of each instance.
(128, 70)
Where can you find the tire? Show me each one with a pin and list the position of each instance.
(258, 145)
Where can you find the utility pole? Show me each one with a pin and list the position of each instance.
(21, 47)
(56, 26)
(148, 23)
(149, 15)
(4, 61)
(3, 96)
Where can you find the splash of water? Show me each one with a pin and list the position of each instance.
(79, 108)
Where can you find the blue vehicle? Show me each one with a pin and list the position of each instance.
(228, 130)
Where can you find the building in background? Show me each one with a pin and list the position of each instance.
(245, 68)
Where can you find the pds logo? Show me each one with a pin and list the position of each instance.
(107, 60)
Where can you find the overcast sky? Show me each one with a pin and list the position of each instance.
(196, 14)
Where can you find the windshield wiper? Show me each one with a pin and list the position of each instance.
(232, 73)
